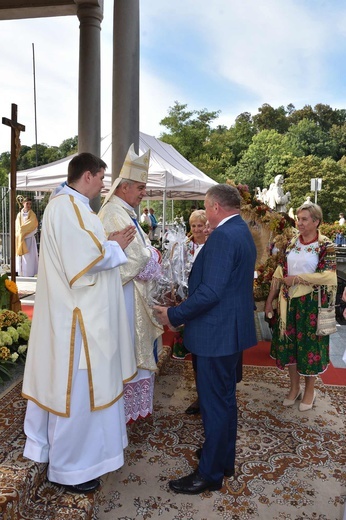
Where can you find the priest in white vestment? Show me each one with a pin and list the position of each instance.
(79, 353)
(26, 245)
(138, 278)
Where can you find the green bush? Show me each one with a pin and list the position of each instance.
(145, 226)
(331, 230)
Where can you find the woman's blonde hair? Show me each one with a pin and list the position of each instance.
(198, 214)
(314, 210)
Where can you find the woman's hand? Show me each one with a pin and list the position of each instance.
(343, 297)
(290, 280)
(123, 237)
(268, 309)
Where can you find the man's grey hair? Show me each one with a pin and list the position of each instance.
(227, 196)
(125, 181)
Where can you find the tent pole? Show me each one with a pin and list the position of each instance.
(164, 213)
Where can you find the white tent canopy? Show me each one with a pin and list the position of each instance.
(171, 176)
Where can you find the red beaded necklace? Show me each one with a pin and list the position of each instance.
(302, 241)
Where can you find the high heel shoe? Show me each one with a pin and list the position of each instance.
(290, 402)
(305, 407)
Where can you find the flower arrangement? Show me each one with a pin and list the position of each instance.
(271, 232)
(265, 273)
(14, 330)
(14, 336)
(7, 287)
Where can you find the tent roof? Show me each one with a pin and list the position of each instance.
(169, 172)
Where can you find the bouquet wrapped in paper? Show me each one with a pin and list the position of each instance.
(171, 288)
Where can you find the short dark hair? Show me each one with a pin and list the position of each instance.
(226, 195)
(84, 162)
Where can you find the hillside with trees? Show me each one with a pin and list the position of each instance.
(300, 144)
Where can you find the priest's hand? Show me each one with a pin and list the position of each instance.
(123, 237)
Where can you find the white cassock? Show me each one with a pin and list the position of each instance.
(79, 353)
(137, 277)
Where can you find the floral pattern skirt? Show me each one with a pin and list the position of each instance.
(300, 345)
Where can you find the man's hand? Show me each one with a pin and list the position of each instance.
(161, 315)
(123, 237)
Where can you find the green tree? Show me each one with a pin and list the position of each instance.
(323, 115)
(5, 168)
(269, 118)
(338, 136)
(308, 138)
(45, 154)
(188, 130)
(333, 194)
(69, 146)
(217, 154)
(268, 155)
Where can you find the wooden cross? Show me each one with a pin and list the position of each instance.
(16, 128)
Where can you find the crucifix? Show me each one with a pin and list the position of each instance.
(16, 128)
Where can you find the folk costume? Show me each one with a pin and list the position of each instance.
(137, 277)
(294, 336)
(26, 246)
(79, 352)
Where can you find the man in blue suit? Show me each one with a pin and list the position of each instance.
(219, 324)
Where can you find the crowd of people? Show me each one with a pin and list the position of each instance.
(95, 340)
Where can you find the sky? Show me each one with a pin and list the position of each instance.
(230, 56)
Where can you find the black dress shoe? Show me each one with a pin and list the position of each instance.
(85, 487)
(228, 472)
(192, 409)
(193, 484)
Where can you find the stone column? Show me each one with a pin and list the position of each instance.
(125, 110)
(89, 84)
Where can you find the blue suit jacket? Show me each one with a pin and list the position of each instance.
(219, 311)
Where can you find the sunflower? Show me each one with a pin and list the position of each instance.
(11, 286)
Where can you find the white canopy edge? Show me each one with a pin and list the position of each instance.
(170, 174)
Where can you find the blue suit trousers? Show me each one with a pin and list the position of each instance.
(216, 387)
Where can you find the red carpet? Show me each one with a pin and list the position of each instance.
(259, 356)
(28, 309)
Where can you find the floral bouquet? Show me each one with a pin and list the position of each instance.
(171, 288)
(14, 336)
(7, 287)
(14, 329)
(262, 283)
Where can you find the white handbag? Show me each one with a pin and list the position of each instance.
(326, 320)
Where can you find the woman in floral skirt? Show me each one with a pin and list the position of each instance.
(309, 265)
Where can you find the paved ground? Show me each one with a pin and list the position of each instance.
(338, 346)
